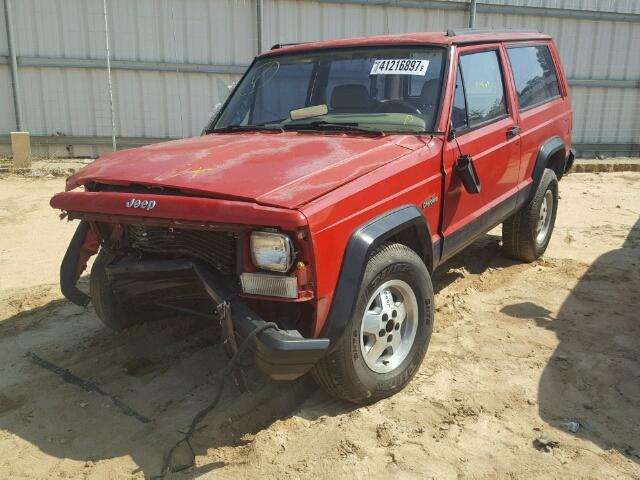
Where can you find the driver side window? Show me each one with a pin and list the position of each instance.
(459, 112)
(483, 87)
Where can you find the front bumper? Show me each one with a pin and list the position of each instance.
(280, 354)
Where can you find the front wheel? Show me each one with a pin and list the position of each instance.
(387, 338)
(111, 309)
(526, 234)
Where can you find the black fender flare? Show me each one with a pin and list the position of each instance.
(364, 240)
(549, 148)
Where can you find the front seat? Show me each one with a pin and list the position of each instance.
(350, 98)
(429, 93)
(429, 96)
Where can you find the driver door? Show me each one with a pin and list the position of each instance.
(483, 119)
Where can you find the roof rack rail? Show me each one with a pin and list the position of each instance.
(453, 32)
(282, 45)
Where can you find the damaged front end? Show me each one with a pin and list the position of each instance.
(185, 255)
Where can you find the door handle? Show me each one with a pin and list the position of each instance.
(513, 131)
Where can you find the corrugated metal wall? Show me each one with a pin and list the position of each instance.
(7, 113)
(173, 59)
(619, 6)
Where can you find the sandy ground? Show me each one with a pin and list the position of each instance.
(518, 351)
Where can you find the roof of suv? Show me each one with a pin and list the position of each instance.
(450, 37)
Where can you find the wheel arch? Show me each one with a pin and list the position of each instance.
(553, 155)
(405, 225)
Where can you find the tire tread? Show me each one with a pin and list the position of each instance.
(110, 310)
(517, 231)
(331, 372)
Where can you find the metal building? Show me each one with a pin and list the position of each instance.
(173, 60)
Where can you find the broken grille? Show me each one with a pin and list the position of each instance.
(217, 249)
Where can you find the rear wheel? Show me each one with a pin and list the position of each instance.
(114, 313)
(526, 234)
(388, 335)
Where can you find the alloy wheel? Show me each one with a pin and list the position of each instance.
(389, 326)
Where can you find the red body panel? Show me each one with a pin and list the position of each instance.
(333, 218)
(417, 38)
(279, 169)
(496, 159)
(331, 184)
(179, 208)
(540, 123)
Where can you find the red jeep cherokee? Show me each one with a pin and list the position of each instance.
(322, 195)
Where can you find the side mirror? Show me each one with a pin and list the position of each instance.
(468, 175)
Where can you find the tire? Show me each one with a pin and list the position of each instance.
(526, 234)
(114, 313)
(353, 371)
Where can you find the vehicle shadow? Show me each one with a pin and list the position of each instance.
(593, 376)
(477, 258)
(74, 390)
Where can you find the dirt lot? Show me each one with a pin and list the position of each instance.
(518, 351)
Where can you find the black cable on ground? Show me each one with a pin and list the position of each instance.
(219, 378)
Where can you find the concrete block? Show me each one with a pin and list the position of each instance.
(21, 149)
(621, 164)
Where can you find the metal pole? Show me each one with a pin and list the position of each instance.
(472, 14)
(113, 115)
(259, 23)
(15, 79)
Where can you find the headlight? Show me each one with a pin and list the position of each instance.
(271, 251)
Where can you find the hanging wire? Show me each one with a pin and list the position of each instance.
(113, 115)
(219, 383)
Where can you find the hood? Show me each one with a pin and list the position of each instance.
(275, 169)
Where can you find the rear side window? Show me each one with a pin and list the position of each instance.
(483, 87)
(534, 74)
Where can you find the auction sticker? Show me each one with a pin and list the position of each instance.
(399, 66)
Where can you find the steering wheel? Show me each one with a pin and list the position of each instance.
(396, 106)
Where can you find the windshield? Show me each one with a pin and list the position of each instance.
(383, 89)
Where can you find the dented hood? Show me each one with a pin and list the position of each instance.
(276, 169)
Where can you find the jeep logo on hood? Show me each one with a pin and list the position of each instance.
(145, 204)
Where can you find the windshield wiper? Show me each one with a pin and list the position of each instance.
(342, 127)
(248, 128)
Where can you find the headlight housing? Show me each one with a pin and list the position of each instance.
(271, 251)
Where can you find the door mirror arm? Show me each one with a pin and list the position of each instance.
(451, 135)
